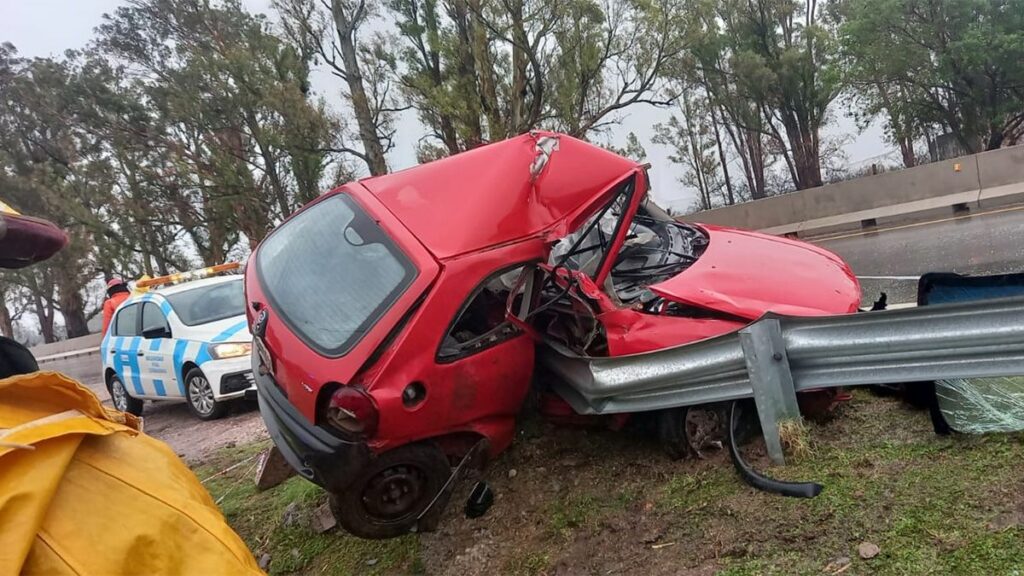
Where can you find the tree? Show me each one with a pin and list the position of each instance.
(474, 71)
(633, 149)
(187, 128)
(336, 36)
(784, 61)
(236, 140)
(49, 168)
(10, 292)
(614, 55)
(482, 70)
(734, 124)
(693, 146)
(956, 63)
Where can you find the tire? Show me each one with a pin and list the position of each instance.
(412, 475)
(120, 398)
(199, 397)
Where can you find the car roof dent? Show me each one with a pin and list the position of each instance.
(535, 184)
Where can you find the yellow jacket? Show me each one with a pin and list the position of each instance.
(83, 491)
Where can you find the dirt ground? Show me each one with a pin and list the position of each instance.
(189, 437)
(592, 501)
(192, 439)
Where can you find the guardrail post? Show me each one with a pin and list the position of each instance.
(764, 351)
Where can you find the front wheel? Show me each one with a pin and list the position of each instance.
(691, 431)
(388, 498)
(120, 398)
(199, 394)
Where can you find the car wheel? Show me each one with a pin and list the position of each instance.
(199, 393)
(121, 399)
(388, 498)
(691, 431)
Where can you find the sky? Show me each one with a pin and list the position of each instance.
(49, 27)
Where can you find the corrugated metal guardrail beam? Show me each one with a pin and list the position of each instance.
(776, 356)
(959, 340)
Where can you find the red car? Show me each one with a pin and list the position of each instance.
(396, 318)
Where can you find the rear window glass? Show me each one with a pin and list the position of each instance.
(209, 303)
(331, 272)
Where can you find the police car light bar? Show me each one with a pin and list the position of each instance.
(188, 276)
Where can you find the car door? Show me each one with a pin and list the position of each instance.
(155, 363)
(124, 349)
(484, 360)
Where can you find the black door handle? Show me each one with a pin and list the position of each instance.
(112, 352)
(140, 354)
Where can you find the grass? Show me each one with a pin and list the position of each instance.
(572, 512)
(929, 503)
(258, 517)
(691, 492)
(926, 501)
(533, 563)
(795, 439)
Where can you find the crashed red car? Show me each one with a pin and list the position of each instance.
(396, 318)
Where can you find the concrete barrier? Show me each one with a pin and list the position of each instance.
(965, 180)
(67, 348)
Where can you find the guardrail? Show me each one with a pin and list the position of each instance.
(777, 356)
(66, 355)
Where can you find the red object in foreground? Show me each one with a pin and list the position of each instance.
(26, 240)
(396, 318)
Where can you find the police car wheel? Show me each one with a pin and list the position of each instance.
(200, 396)
(121, 400)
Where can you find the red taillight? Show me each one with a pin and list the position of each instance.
(352, 411)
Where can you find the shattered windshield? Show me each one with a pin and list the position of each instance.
(656, 247)
(584, 250)
(982, 405)
(976, 405)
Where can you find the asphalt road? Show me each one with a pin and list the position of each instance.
(989, 242)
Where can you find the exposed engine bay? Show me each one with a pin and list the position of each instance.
(655, 247)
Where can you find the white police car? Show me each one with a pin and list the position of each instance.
(185, 341)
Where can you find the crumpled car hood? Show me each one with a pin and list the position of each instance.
(747, 274)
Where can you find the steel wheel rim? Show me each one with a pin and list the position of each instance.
(201, 394)
(395, 492)
(119, 395)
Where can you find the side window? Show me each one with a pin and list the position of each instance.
(126, 322)
(481, 321)
(153, 318)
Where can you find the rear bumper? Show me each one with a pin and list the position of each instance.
(314, 453)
